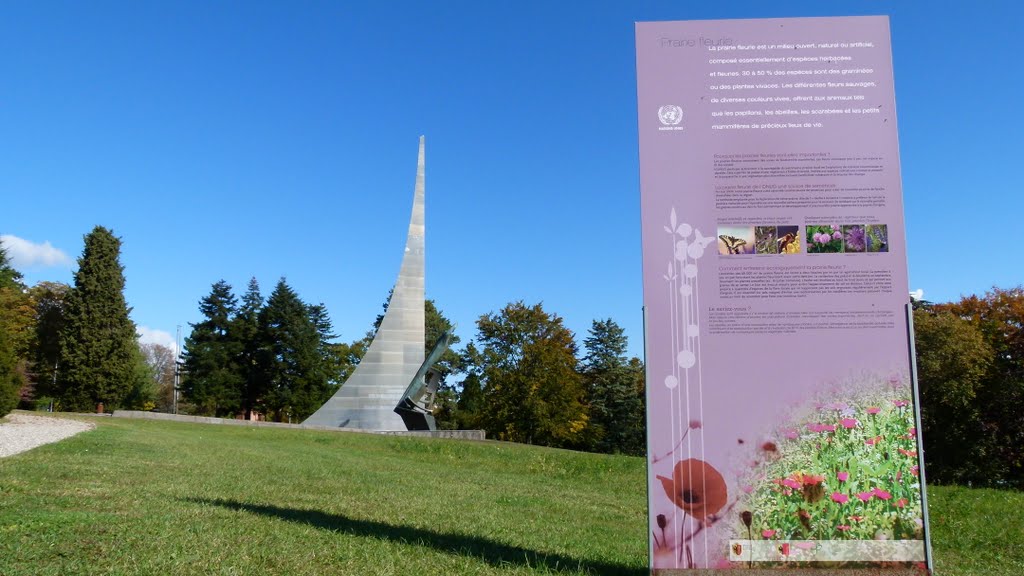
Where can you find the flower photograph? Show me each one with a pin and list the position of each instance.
(826, 239)
(854, 238)
(846, 469)
(878, 237)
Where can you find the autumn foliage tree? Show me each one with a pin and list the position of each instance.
(999, 396)
(532, 390)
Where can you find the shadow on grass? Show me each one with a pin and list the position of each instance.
(495, 553)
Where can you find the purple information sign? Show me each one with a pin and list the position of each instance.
(781, 409)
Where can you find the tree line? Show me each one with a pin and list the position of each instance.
(970, 362)
(522, 378)
(75, 347)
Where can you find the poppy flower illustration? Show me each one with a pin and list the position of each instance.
(873, 410)
(900, 403)
(767, 534)
(849, 422)
(842, 476)
(881, 493)
(696, 487)
(865, 496)
(839, 497)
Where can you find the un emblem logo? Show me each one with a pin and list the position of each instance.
(670, 115)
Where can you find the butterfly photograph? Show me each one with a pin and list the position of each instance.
(735, 240)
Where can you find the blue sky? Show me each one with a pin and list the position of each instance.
(230, 140)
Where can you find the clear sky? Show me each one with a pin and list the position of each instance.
(226, 140)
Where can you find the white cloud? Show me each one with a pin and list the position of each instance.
(26, 253)
(917, 294)
(149, 335)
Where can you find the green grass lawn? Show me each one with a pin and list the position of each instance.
(150, 497)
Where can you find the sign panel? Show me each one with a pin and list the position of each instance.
(782, 423)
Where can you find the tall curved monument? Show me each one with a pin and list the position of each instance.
(394, 359)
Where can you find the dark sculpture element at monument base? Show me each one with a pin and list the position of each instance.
(417, 404)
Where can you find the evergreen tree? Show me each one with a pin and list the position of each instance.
(213, 380)
(532, 391)
(615, 403)
(9, 277)
(246, 328)
(98, 341)
(293, 369)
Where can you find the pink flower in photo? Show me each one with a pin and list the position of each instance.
(865, 496)
(767, 533)
(695, 424)
(842, 527)
(856, 518)
(791, 434)
(881, 493)
(840, 497)
(791, 483)
(912, 432)
(874, 410)
(842, 476)
(873, 441)
(821, 427)
(900, 403)
(900, 503)
(837, 235)
(910, 453)
(812, 480)
(849, 422)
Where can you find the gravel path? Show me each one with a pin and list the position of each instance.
(21, 432)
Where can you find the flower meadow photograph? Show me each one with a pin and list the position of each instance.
(845, 469)
(854, 239)
(878, 237)
(788, 239)
(736, 240)
(766, 240)
(826, 239)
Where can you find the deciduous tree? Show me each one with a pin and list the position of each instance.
(532, 391)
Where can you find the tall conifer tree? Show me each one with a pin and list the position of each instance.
(98, 341)
(246, 328)
(616, 405)
(213, 379)
(294, 372)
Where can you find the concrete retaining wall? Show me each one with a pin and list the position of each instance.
(458, 434)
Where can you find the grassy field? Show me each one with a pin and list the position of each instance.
(148, 497)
